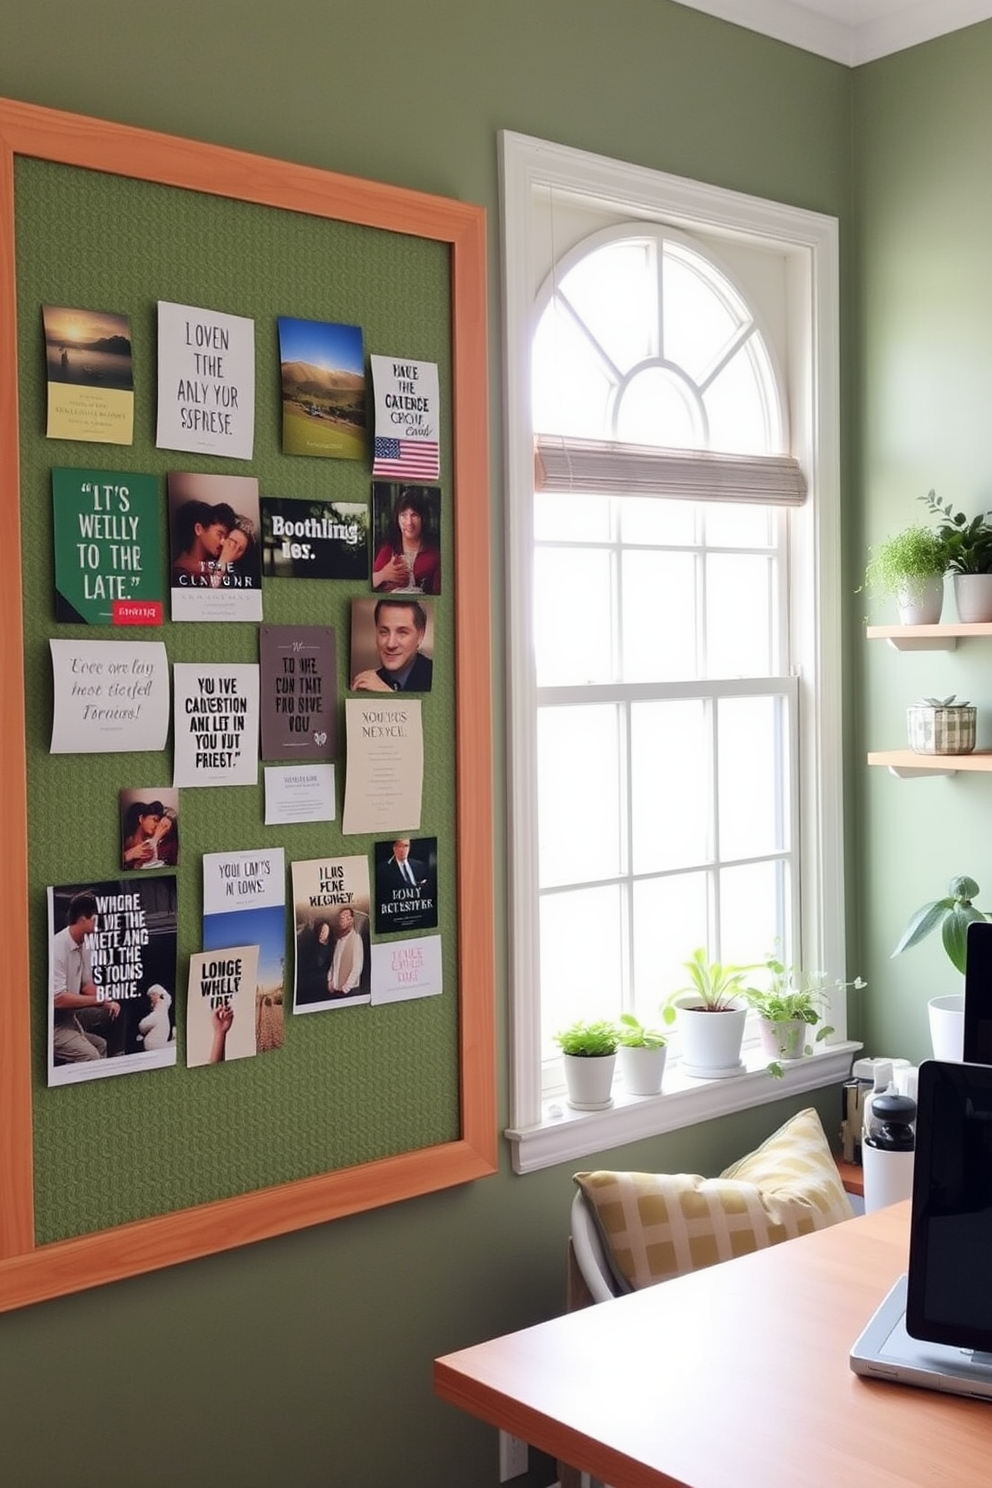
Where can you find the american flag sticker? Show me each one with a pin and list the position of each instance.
(406, 419)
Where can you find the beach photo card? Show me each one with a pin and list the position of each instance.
(90, 375)
(108, 548)
(244, 903)
(322, 367)
(206, 381)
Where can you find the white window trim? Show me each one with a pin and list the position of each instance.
(540, 1136)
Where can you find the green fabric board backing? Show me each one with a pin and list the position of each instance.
(350, 1085)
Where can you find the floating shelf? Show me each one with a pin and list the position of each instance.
(927, 637)
(907, 764)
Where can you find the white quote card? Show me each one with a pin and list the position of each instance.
(216, 723)
(110, 696)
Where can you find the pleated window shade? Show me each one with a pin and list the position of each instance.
(599, 467)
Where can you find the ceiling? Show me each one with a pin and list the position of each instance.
(850, 31)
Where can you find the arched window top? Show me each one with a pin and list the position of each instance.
(643, 338)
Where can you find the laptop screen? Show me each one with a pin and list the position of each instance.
(978, 994)
(949, 1296)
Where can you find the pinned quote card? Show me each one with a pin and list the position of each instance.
(220, 1006)
(216, 723)
(108, 551)
(404, 969)
(384, 783)
(206, 381)
(299, 692)
(407, 416)
(110, 696)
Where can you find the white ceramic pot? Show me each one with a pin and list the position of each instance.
(642, 1069)
(783, 1039)
(922, 605)
(973, 597)
(946, 1016)
(711, 1042)
(589, 1080)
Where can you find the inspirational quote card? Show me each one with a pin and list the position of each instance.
(405, 969)
(220, 1006)
(331, 905)
(384, 780)
(206, 381)
(109, 696)
(108, 548)
(215, 723)
(407, 414)
(298, 691)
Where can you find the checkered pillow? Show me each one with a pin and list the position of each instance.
(658, 1225)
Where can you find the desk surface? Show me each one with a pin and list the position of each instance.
(734, 1377)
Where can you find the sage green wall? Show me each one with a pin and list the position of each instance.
(922, 123)
(306, 1360)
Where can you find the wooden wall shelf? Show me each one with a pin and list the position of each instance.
(927, 637)
(907, 764)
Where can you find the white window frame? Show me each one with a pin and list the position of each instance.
(542, 1132)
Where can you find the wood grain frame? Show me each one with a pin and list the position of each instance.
(31, 1273)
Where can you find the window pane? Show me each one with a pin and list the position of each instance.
(737, 409)
(751, 776)
(578, 773)
(659, 613)
(752, 911)
(571, 389)
(697, 323)
(670, 920)
(656, 407)
(670, 784)
(612, 290)
(651, 519)
(738, 615)
(573, 627)
(735, 524)
(582, 518)
(581, 959)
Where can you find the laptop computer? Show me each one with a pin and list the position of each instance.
(934, 1329)
(978, 994)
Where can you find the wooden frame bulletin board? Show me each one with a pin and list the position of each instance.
(33, 1268)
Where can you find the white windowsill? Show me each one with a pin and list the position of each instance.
(565, 1135)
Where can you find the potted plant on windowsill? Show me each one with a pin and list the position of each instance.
(968, 550)
(788, 1009)
(641, 1056)
(710, 1013)
(589, 1055)
(910, 567)
(952, 914)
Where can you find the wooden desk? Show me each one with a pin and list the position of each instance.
(734, 1377)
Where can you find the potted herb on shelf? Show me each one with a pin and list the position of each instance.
(968, 550)
(589, 1055)
(910, 567)
(952, 915)
(710, 1011)
(641, 1054)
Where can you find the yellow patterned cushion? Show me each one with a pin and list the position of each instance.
(659, 1225)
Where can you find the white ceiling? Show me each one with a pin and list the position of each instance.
(850, 31)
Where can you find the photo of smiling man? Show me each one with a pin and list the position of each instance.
(391, 645)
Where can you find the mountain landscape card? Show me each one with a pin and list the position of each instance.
(322, 366)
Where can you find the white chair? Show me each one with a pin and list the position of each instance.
(589, 1252)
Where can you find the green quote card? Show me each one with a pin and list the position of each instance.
(108, 548)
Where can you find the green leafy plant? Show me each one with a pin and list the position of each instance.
(967, 545)
(952, 914)
(794, 995)
(589, 1040)
(633, 1034)
(714, 986)
(906, 562)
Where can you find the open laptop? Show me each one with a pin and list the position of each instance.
(978, 994)
(934, 1329)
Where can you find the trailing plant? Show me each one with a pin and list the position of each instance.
(967, 545)
(589, 1040)
(906, 562)
(633, 1034)
(794, 995)
(714, 986)
(952, 914)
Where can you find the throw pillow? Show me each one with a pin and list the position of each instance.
(658, 1225)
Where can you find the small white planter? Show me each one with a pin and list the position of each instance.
(946, 1016)
(641, 1069)
(784, 1038)
(711, 1042)
(922, 605)
(973, 597)
(589, 1080)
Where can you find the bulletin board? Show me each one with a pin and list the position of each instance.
(360, 1107)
